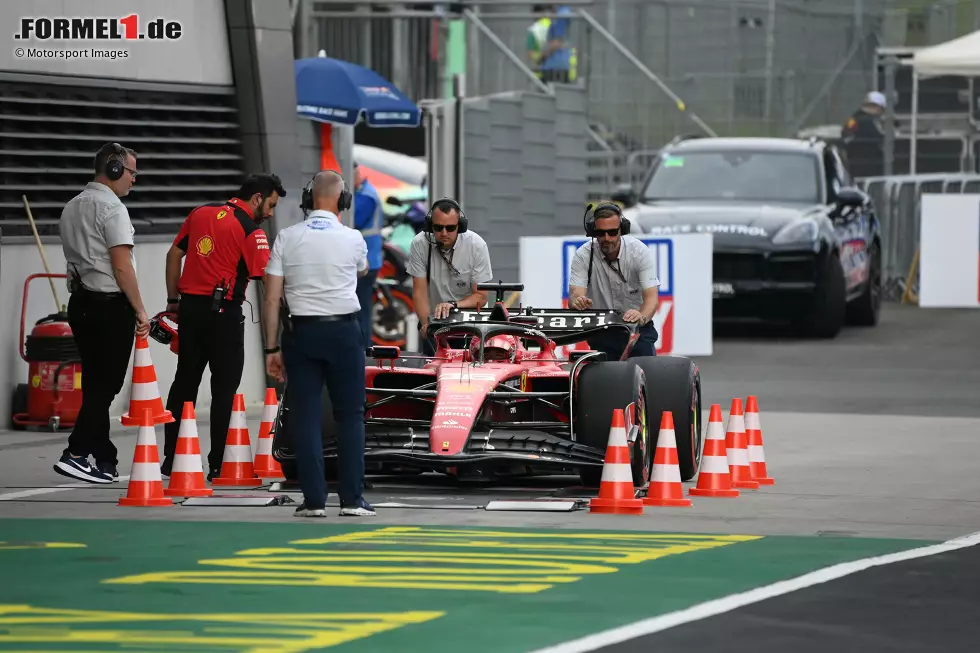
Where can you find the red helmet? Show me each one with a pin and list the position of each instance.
(163, 331)
(496, 348)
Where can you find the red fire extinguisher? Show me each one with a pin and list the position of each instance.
(52, 395)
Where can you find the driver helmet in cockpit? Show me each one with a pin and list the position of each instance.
(496, 349)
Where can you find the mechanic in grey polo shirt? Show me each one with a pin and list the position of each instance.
(446, 268)
(621, 276)
(105, 307)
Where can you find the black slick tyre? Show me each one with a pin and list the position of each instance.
(602, 388)
(824, 318)
(674, 384)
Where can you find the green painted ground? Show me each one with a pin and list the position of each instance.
(290, 588)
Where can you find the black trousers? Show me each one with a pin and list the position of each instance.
(207, 339)
(614, 342)
(104, 329)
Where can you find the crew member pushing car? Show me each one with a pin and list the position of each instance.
(621, 275)
(446, 269)
(225, 248)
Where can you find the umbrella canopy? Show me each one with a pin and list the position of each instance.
(340, 92)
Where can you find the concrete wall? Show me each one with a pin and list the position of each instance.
(524, 169)
(18, 261)
(200, 56)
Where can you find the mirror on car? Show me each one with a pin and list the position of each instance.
(624, 195)
(851, 197)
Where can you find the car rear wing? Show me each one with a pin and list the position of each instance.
(563, 326)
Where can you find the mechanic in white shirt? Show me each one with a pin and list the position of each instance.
(447, 267)
(621, 275)
(317, 263)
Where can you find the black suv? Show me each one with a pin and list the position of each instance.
(794, 240)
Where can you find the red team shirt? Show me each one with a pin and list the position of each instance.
(221, 244)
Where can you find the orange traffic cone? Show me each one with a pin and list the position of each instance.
(265, 465)
(145, 482)
(616, 494)
(753, 431)
(236, 465)
(714, 478)
(665, 483)
(145, 395)
(736, 443)
(187, 476)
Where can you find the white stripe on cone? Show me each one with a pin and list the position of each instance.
(666, 474)
(145, 392)
(714, 465)
(142, 358)
(756, 454)
(269, 413)
(617, 473)
(237, 420)
(738, 457)
(238, 453)
(145, 472)
(715, 431)
(147, 436)
(264, 447)
(617, 437)
(752, 421)
(736, 423)
(188, 462)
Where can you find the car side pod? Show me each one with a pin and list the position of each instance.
(616, 493)
(665, 483)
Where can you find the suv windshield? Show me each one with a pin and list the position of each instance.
(736, 175)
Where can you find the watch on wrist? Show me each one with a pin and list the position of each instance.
(274, 350)
(173, 300)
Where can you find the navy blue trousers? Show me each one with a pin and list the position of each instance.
(316, 353)
(365, 295)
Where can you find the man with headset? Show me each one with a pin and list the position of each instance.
(621, 276)
(315, 265)
(447, 268)
(104, 309)
(224, 249)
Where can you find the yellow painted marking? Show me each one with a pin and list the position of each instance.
(401, 557)
(222, 632)
(9, 546)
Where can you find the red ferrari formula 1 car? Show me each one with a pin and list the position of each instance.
(499, 399)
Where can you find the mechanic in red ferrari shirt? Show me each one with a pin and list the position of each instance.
(225, 248)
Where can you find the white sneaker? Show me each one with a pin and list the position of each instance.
(303, 511)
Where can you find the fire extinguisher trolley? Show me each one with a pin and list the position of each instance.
(52, 396)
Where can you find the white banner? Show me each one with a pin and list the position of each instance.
(949, 254)
(684, 262)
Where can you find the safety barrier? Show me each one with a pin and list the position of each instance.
(898, 201)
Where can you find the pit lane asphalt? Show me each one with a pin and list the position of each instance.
(871, 434)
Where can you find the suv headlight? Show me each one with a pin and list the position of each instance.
(804, 231)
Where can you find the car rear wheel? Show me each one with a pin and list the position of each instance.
(674, 384)
(603, 387)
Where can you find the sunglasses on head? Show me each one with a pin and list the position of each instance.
(599, 233)
(444, 227)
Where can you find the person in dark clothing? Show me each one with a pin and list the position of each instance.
(862, 137)
(225, 248)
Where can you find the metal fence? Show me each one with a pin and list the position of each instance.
(898, 200)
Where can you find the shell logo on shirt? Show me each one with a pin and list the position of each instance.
(205, 245)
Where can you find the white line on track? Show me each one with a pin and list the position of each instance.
(11, 496)
(734, 601)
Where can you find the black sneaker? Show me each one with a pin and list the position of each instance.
(213, 474)
(362, 509)
(303, 511)
(108, 469)
(166, 466)
(80, 469)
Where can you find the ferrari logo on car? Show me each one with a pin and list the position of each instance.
(445, 445)
(524, 381)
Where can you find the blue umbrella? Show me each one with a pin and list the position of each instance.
(340, 92)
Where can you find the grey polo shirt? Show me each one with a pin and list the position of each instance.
(637, 264)
(91, 223)
(469, 256)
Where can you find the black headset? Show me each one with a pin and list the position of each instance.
(344, 202)
(589, 218)
(114, 167)
(463, 222)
